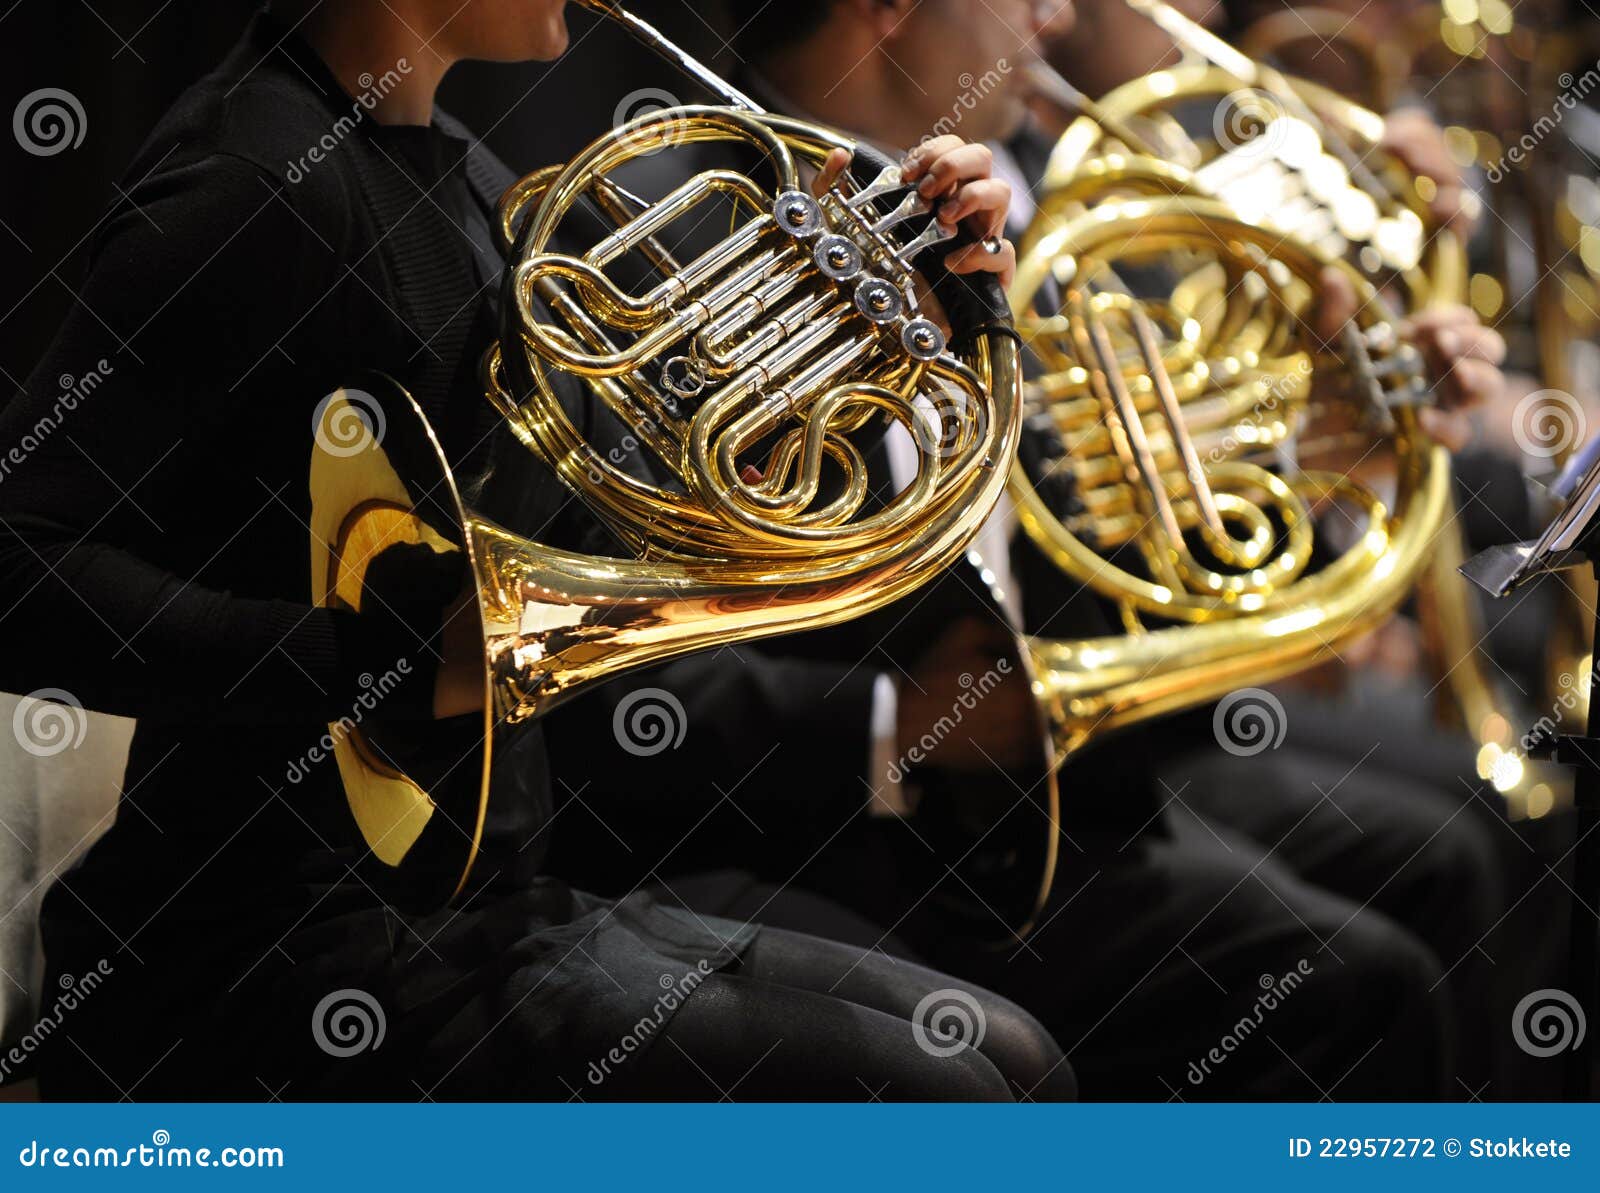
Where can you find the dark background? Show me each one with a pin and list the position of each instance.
(127, 60)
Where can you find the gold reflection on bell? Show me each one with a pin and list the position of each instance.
(1507, 771)
(1488, 755)
(1541, 799)
(1486, 294)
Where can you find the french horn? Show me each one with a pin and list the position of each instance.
(1190, 425)
(744, 371)
(1205, 449)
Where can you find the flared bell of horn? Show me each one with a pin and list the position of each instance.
(380, 481)
(552, 623)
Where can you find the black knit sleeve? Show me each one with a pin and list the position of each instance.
(132, 463)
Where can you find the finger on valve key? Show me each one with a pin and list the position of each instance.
(989, 198)
(1454, 331)
(1450, 428)
(832, 166)
(944, 173)
(977, 258)
(1335, 305)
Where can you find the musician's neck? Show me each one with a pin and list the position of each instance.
(363, 41)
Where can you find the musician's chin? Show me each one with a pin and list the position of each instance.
(558, 36)
(516, 30)
(545, 36)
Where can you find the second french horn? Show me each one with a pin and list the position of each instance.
(1249, 497)
(1219, 459)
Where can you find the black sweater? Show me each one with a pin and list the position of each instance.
(154, 551)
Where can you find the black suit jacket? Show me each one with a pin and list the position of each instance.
(154, 551)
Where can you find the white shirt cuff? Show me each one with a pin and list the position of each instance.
(884, 768)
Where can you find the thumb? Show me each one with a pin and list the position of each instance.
(1449, 427)
(1334, 304)
(832, 166)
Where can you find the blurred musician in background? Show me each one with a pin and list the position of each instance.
(1377, 709)
(1489, 77)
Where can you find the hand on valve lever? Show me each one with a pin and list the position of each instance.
(1412, 136)
(957, 176)
(1463, 356)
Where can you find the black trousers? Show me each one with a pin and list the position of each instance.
(1283, 926)
(1287, 927)
(807, 1019)
(1487, 895)
(1195, 965)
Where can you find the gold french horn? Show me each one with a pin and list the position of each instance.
(1196, 522)
(1205, 455)
(744, 372)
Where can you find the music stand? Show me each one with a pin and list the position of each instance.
(1571, 540)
